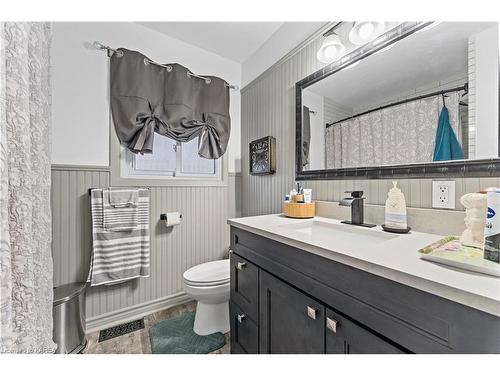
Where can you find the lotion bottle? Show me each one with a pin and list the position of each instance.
(492, 229)
(395, 208)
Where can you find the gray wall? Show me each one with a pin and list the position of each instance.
(202, 236)
(268, 108)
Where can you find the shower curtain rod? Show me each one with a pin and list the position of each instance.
(110, 51)
(465, 88)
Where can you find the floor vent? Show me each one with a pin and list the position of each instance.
(119, 330)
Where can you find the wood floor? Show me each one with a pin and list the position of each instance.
(138, 342)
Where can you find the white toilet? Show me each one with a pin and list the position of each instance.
(208, 283)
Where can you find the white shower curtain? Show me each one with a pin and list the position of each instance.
(401, 134)
(25, 218)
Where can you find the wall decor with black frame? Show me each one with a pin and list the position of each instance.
(262, 156)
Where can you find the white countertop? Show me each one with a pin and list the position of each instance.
(396, 259)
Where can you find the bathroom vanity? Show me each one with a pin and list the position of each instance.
(319, 286)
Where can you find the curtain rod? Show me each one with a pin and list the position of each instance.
(110, 51)
(465, 88)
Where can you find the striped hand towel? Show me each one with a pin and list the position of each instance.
(120, 214)
(119, 256)
(123, 197)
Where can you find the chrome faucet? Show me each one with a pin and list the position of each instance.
(356, 203)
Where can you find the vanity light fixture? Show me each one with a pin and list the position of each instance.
(331, 49)
(365, 31)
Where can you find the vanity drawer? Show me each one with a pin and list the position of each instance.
(244, 332)
(245, 285)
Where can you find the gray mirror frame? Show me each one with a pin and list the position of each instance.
(462, 168)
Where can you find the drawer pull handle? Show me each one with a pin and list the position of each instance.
(241, 265)
(332, 324)
(312, 312)
(241, 317)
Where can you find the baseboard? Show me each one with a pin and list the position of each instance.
(96, 323)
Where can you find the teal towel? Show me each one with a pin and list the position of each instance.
(447, 146)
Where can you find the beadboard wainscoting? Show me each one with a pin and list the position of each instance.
(202, 236)
(268, 108)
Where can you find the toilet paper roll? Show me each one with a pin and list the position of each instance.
(173, 218)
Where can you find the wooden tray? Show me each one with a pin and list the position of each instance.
(299, 210)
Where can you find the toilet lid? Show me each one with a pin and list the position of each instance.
(208, 273)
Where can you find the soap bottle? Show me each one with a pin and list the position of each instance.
(492, 228)
(395, 208)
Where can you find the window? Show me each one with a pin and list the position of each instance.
(170, 160)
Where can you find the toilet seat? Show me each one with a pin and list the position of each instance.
(206, 285)
(208, 274)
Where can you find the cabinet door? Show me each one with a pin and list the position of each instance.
(346, 337)
(290, 321)
(245, 285)
(244, 332)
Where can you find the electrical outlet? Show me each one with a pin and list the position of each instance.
(443, 194)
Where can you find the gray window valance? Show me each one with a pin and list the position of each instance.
(168, 100)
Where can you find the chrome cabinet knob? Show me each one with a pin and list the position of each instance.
(312, 312)
(241, 265)
(331, 324)
(241, 317)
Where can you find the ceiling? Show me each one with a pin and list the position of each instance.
(421, 59)
(236, 41)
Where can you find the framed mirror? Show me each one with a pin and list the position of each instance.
(401, 100)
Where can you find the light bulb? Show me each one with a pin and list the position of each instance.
(365, 31)
(331, 49)
(330, 52)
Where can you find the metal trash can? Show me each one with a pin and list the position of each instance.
(69, 318)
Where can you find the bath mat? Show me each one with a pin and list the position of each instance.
(119, 330)
(176, 336)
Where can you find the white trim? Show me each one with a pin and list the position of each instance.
(97, 323)
(117, 180)
(175, 178)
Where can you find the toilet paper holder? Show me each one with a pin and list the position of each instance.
(164, 216)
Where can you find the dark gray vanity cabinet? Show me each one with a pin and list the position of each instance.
(290, 321)
(270, 316)
(287, 300)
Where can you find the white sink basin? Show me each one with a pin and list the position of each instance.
(344, 236)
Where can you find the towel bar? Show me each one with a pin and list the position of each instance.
(90, 189)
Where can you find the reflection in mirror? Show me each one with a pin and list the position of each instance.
(432, 96)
